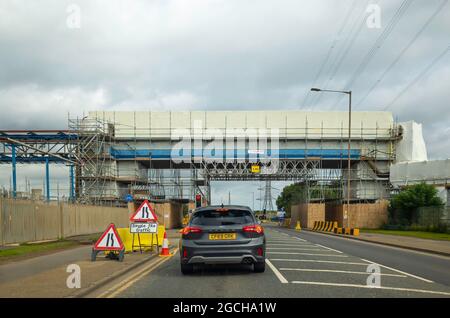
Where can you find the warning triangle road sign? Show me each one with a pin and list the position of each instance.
(144, 213)
(110, 240)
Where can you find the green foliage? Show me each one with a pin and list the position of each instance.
(297, 193)
(404, 207)
(291, 194)
(35, 248)
(411, 233)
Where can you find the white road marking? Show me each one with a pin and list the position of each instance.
(348, 263)
(293, 245)
(317, 261)
(294, 248)
(336, 271)
(328, 248)
(371, 287)
(399, 271)
(286, 241)
(381, 245)
(309, 254)
(277, 272)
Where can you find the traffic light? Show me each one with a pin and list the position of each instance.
(198, 200)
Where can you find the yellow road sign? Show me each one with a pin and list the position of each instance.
(256, 169)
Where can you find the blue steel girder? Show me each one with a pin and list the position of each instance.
(37, 146)
(44, 147)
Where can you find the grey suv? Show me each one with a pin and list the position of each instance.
(222, 235)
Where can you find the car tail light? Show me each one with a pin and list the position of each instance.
(253, 229)
(259, 251)
(185, 253)
(190, 229)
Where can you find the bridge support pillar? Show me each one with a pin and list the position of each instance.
(47, 179)
(14, 173)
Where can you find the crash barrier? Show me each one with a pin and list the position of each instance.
(147, 242)
(146, 239)
(332, 226)
(347, 231)
(325, 226)
(185, 220)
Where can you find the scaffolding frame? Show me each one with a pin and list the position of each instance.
(101, 179)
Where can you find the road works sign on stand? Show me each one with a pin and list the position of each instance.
(144, 220)
(109, 241)
(143, 227)
(144, 213)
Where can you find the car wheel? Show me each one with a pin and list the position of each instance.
(187, 269)
(259, 267)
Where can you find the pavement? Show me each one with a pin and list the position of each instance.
(46, 275)
(425, 245)
(306, 264)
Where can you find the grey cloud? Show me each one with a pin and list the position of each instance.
(216, 54)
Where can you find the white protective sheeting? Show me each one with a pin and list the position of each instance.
(433, 172)
(291, 124)
(412, 146)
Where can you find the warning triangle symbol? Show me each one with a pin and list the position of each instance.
(110, 240)
(144, 213)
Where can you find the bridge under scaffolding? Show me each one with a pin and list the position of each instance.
(121, 153)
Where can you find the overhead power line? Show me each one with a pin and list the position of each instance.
(330, 50)
(405, 49)
(418, 77)
(377, 45)
(353, 35)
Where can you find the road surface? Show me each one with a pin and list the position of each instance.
(306, 264)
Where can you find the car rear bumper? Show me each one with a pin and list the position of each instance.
(225, 259)
(222, 254)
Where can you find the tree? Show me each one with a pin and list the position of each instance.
(298, 192)
(291, 194)
(404, 206)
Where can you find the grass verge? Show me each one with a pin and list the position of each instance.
(418, 234)
(33, 249)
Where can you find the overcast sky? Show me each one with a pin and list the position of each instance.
(221, 55)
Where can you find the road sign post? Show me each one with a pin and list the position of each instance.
(109, 241)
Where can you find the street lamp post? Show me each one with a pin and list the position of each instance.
(349, 93)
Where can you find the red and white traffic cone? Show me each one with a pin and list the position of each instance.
(165, 246)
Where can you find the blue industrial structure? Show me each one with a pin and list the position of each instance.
(119, 154)
(38, 147)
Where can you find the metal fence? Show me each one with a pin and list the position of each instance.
(27, 221)
(433, 217)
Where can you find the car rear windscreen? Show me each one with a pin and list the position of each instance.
(217, 218)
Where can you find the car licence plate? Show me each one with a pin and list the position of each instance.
(222, 236)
